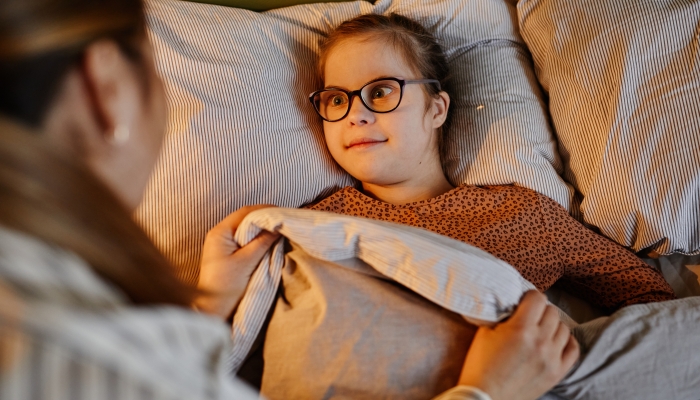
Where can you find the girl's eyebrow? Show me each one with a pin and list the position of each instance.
(371, 80)
(335, 87)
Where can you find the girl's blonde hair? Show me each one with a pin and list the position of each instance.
(418, 47)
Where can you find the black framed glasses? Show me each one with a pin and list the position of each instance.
(380, 95)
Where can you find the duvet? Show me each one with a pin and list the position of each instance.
(354, 308)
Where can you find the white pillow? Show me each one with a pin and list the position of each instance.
(227, 147)
(623, 79)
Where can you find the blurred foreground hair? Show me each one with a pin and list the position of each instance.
(46, 194)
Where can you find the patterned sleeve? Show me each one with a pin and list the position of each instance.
(598, 269)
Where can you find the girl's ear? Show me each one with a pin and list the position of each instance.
(441, 105)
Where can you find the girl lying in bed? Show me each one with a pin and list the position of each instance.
(385, 108)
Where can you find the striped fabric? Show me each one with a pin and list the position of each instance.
(242, 132)
(450, 273)
(66, 335)
(623, 79)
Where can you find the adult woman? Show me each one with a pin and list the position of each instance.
(90, 309)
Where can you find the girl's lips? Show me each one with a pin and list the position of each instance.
(364, 143)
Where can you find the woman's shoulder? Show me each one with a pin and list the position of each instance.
(45, 279)
(50, 274)
(67, 321)
(133, 354)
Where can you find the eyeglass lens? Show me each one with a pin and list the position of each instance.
(379, 96)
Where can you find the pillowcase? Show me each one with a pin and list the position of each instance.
(623, 86)
(240, 128)
(243, 132)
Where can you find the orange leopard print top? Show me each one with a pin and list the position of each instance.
(529, 231)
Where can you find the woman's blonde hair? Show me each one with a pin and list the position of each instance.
(43, 192)
(418, 47)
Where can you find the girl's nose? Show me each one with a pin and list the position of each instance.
(359, 114)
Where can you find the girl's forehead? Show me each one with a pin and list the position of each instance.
(355, 61)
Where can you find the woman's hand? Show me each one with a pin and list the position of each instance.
(225, 268)
(523, 357)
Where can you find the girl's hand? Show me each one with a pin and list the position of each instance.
(523, 357)
(225, 268)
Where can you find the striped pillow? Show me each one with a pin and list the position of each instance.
(623, 79)
(242, 131)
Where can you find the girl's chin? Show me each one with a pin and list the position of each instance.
(373, 171)
(375, 180)
(363, 174)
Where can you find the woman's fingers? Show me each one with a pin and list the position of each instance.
(225, 276)
(262, 242)
(219, 242)
(571, 353)
(237, 216)
(550, 321)
(227, 227)
(530, 310)
(251, 254)
(561, 336)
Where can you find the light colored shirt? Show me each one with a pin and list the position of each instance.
(67, 334)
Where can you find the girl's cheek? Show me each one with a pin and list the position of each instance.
(332, 138)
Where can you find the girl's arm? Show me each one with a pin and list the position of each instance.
(598, 269)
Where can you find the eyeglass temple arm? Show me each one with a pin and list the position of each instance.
(435, 81)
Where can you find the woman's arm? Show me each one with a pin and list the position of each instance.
(598, 269)
(225, 267)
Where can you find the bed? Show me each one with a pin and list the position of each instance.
(593, 104)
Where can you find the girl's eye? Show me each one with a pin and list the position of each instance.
(336, 100)
(381, 92)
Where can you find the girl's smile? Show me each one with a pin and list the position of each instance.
(364, 143)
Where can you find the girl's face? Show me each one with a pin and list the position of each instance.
(398, 147)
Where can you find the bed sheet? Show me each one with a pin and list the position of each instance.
(682, 272)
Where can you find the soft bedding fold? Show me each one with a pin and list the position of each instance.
(451, 274)
(641, 352)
